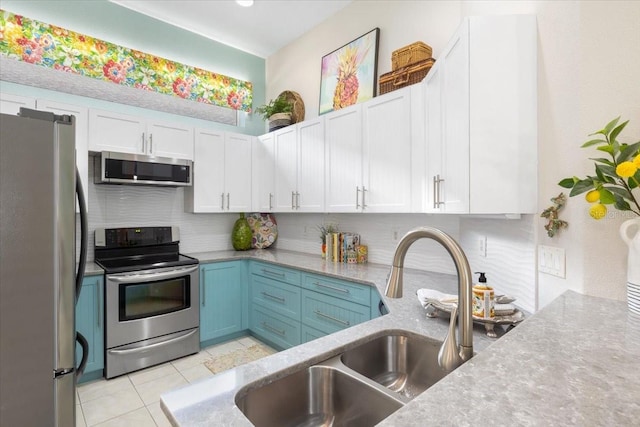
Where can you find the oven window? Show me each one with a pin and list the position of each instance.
(140, 300)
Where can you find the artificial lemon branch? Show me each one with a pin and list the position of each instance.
(615, 178)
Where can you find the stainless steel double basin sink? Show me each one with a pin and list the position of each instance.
(359, 387)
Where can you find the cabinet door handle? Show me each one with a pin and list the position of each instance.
(227, 201)
(150, 143)
(272, 329)
(222, 201)
(357, 198)
(293, 198)
(436, 191)
(333, 288)
(204, 289)
(273, 273)
(326, 316)
(270, 201)
(297, 200)
(143, 142)
(364, 192)
(98, 308)
(277, 298)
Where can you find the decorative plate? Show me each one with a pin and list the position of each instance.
(264, 228)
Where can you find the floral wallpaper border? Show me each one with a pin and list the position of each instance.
(54, 47)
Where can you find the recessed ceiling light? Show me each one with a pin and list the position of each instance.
(245, 3)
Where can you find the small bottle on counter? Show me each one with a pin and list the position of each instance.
(483, 298)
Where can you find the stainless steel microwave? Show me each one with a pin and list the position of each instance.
(125, 168)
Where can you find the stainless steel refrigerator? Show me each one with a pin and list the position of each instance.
(39, 276)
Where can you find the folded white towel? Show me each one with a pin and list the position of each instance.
(504, 309)
(427, 295)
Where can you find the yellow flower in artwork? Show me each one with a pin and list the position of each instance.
(636, 161)
(598, 211)
(626, 169)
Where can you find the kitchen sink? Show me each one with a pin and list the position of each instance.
(316, 396)
(359, 387)
(405, 363)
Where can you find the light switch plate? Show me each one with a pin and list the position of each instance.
(551, 260)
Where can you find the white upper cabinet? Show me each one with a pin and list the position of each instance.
(482, 151)
(110, 131)
(207, 193)
(221, 173)
(433, 161)
(299, 167)
(263, 173)
(310, 159)
(387, 149)
(454, 187)
(81, 115)
(343, 139)
(285, 143)
(170, 140)
(10, 104)
(370, 150)
(237, 171)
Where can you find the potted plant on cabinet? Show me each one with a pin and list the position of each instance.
(277, 112)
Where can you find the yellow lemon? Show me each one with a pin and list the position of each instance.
(592, 196)
(626, 169)
(636, 161)
(598, 211)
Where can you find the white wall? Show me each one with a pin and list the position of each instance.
(587, 65)
(297, 66)
(510, 255)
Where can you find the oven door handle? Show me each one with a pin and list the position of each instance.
(148, 277)
(154, 345)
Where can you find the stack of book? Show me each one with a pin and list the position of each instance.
(345, 247)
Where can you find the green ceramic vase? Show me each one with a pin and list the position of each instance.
(241, 235)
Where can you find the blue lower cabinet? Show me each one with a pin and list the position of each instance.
(277, 296)
(274, 328)
(222, 300)
(378, 308)
(310, 334)
(329, 314)
(90, 323)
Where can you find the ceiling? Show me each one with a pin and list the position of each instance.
(261, 29)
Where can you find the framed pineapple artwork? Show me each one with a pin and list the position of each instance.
(349, 73)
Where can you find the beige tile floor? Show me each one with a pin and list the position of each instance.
(134, 400)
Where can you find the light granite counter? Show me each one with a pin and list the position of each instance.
(92, 269)
(575, 362)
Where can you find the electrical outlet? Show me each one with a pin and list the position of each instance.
(482, 246)
(395, 235)
(551, 260)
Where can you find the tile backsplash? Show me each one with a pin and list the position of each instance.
(509, 261)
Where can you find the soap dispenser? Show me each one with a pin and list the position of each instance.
(483, 298)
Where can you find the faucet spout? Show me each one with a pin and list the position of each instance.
(465, 322)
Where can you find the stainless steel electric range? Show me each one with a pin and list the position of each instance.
(152, 310)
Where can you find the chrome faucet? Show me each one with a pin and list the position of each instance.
(450, 355)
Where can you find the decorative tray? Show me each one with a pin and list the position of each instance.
(435, 306)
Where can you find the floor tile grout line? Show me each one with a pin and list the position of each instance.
(232, 346)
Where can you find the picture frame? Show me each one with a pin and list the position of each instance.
(349, 74)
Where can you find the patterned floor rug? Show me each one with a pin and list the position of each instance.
(237, 357)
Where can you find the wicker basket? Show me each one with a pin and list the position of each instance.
(409, 55)
(405, 76)
(297, 115)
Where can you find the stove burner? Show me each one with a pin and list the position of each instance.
(119, 250)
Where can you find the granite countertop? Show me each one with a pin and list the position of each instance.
(92, 269)
(211, 401)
